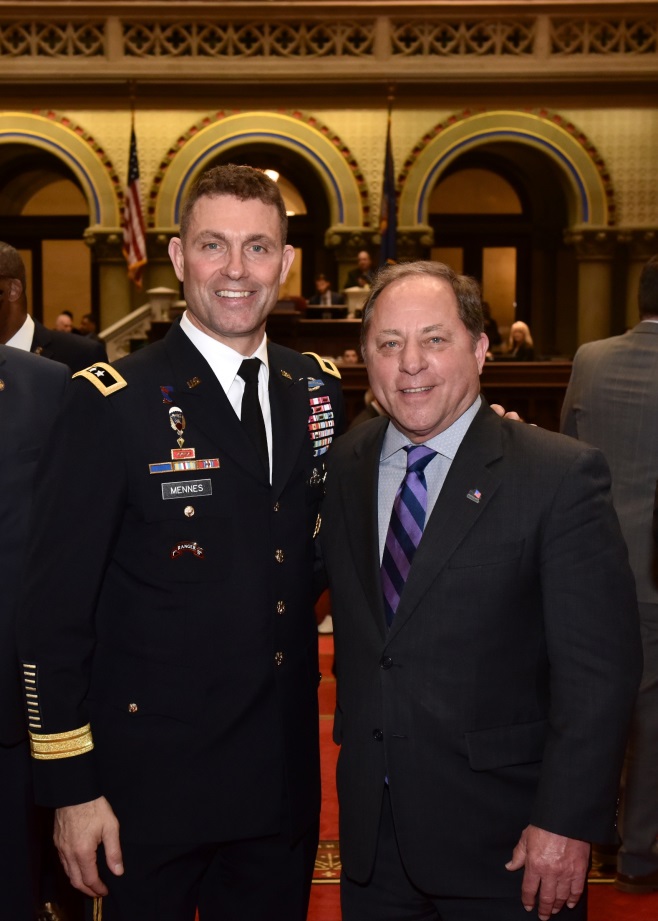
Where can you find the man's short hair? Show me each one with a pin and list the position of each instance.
(647, 297)
(11, 264)
(467, 292)
(243, 182)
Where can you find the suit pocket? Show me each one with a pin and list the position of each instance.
(140, 688)
(504, 746)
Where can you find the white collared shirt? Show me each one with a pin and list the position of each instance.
(23, 338)
(393, 466)
(225, 362)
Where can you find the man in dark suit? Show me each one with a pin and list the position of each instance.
(612, 402)
(482, 732)
(19, 330)
(177, 674)
(31, 393)
(324, 296)
(362, 274)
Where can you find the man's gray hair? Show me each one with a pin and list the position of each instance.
(467, 292)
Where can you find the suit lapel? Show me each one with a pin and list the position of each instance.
(42, 341)
(454, 514)
(359, 484)
(289, 407)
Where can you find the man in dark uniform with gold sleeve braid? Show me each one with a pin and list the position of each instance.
(176, 729)
(31, 394)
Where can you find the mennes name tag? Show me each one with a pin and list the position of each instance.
(185, 489)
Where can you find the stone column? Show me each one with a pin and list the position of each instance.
(594, 250)
(118, 295)
(114, 286)
(415, 242)
(161, 271)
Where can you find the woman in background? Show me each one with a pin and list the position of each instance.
(520, 346)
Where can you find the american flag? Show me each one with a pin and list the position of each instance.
(134, 242)
(388, 222)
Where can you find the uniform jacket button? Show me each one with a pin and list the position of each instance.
(279, 556)
(278, 658)
(280, 607)
(132, 708)
(377, 735)
(385, 662)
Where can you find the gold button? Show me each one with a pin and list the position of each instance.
(132, 708)
(277, 506)
(280, 607)
(278, 658)
(2, 385)
(188, 511)
(279, 556)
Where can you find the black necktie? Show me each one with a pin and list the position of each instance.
(251, 414)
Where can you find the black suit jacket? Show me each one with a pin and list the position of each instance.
(75, 351)
(502, 693)
(31, 392)
(354, 276)
(188, 639)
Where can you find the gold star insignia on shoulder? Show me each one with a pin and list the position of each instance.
(104, 377)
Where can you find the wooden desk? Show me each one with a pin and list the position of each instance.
(326, 337)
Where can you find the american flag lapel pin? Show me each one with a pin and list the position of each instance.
(474, 495)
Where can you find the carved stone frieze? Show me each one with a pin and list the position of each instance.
(593, 244)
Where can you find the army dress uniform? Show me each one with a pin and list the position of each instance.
(177, 673)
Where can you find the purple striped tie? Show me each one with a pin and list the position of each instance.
(406, 527)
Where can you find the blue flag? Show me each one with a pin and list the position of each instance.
(388, 221)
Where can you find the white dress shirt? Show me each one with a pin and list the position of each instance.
(225, 362)
(393, 466)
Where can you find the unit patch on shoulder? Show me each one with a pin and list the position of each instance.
(104, 377)
(327, 366)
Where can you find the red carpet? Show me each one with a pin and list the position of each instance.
(606, 904)
(325, 900)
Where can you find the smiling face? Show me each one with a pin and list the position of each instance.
(231, 263)
(423, 364)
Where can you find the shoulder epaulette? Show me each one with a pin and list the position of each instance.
(104, 377)
(327, 366)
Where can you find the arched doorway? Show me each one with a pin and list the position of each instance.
(566, 194)
(499, 212)
(44, 214)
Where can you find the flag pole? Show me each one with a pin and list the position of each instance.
(388, 208)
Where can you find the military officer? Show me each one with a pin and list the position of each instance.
(31, 393)
(172, 686)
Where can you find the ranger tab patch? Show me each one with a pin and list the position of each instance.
(104, 378)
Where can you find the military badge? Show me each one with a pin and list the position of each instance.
(321, 424)
(177, 422)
